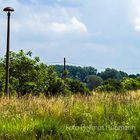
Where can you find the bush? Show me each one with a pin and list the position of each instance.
(93, 81)
(76, 86)
(131, 84)
(57, 87)
(2, 77)
(111, 86)
(28, 76)
(1, 85)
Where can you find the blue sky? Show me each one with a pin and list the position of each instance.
(98, 33)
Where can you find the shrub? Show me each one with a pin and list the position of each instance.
(130, 84)
(111, 85)
(93, 81)
(58, 86)
(76, 86)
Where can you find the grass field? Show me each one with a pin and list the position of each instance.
(100, 117)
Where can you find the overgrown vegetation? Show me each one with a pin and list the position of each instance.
(124, 85)
(37, 114)
(81, 73)
(29, 76)
(100, 116)
(109, 80)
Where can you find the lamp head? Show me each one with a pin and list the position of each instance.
(8, 9)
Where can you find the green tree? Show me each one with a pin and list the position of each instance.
(111, 85)
(29, 76)
(74, 72)
(76, 86)
(123, 74)
(23, 72)
(56, 85)
(2, 76)
(110, 74)
(131, 84)
(93, 81)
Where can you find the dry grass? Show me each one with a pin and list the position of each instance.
(40, 117)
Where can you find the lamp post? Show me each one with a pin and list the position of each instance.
(8, 10)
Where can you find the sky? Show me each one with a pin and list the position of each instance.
(98, 33)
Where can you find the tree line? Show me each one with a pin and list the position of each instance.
(30, 76)
(108, 80)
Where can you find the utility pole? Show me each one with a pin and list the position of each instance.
(64, 63)
(8, 10)
(64, 70)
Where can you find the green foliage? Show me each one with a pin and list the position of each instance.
(56, 85)
(29, 76)
(89, 75)
(93, 81)
(2, 76)
(127, 84)
(111, 85)
(26, 75)
(112, 74)
(65, 73)
(131, 84)
(78, 73)
(76, 86)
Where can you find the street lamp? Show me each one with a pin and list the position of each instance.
(8, 10)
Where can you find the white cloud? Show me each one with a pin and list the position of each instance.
(49, 19)
(74, 25)
(134, 12)
(78, 25)
(137, 24)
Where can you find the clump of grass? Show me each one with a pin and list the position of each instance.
(71, 117)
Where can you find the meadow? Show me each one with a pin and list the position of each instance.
(105, 116)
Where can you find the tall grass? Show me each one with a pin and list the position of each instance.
(100, 116)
